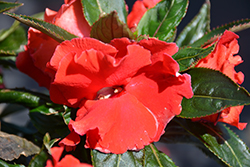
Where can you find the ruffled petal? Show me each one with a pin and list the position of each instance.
(161, 94)
(81, 77)
(127, 125)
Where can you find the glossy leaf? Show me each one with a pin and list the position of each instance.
(109, 27)
(4, 6)
(197, 27)
(30, 100)
(5, 164)
(94, 9)
(215, 33)
(49, 122)
(220, 140)
(188, 57)
(51, 30)
(162, 20)
(149, 156)
(13, 146)
(213, 92)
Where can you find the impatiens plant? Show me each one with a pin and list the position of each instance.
(120, 82)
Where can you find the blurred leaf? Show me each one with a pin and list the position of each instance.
(95, 9)
(13, 146)
(220, 140)
(162, 20)
(4, 6)
(15, 129)
(51, 30)
(197, 27)
(14, 42)
(188, 57)
(211, 36)
(213, 92)
(109, 27)
(29, 100)
(5, 164)
(10, 109)
(149, 156)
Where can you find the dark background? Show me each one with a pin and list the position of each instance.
(222, 12)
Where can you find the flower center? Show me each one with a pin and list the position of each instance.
(108, 92)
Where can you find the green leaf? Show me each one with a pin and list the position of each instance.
(198, 26)
(162, 20)
(188, 57)
(149, 156)
(220, 140)
(213, 92)
(109, 27)
(51, 30)
(13, 43)
(4, 6)
(30, 100)
(13, 146)
(46, 121)
(40, 159)
(94, 9)
(215, 33)
(5, 164)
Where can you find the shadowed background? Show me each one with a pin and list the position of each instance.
(222, 12)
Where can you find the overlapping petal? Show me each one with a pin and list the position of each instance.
(41, 47)
(127, 92)
(223, 58)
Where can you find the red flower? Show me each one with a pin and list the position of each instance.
(223, 59)
(127, 92)
(138, 10)
(67, 161)
(41, 47)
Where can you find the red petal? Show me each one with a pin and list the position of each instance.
(49, 15)
(127, 125)
(81, 77)
(222, 58)
(71, 161)
(70, 17)
(158, 48)
(70, 141)
(161, 93)
(77, 46)
(25, 64)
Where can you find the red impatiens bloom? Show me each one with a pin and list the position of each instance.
(138, 10)
(41, 47)
(126, 92)
(223, 59)
(67, 161)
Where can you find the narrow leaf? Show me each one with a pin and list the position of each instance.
(213, 92)
(51, 30)
(13, 146)
(94, 9)
(220, 140)
(188, 57)
(197, 27)
(162, 20)
(26, 99)
(110, 27)
(4, 6)
(215, 33)
(149, 156)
